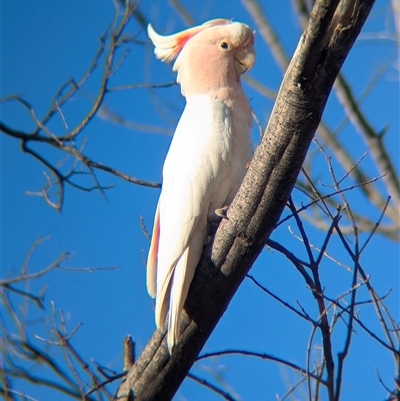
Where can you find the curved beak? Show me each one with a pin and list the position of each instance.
(244, 59)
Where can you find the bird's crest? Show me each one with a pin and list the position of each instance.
(168, 47)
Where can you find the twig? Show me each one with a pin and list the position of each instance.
(211, 386)
(318, 295)
(138, 86)
(303, 234)
(63, 257)
(308, 358)
(105, 382)
(372, 138)
(377, 224)
(260, 355)
(284, 303)
(38, 300)
(182, 12)
(129, 353)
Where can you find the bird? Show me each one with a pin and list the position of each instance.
(207, 159)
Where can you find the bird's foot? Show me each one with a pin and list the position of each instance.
(222, 212)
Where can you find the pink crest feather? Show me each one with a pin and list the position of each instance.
(168, 47)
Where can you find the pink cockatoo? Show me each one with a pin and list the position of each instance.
(207, 159)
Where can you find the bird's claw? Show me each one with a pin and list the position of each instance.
(222, 212)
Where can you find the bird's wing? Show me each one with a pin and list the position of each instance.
(197, 162)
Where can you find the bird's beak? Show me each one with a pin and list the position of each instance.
(244, 59)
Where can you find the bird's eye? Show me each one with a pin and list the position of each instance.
(224, 46)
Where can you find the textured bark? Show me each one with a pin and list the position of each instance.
(256, 209)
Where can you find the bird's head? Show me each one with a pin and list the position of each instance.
(207, 56)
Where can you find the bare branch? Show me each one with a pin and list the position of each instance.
(210, 386)
(263, 356)
(139, 86)
(323, 324)
(129, 353)
(284, 303)
(24, 277)
(182, 12)
(373, 139)
(377, 224)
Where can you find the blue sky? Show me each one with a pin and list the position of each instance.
(46, 43)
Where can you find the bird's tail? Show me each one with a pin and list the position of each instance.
(181, 280)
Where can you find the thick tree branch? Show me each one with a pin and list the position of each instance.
(256, 209)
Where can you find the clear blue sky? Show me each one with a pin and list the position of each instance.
(46, 43)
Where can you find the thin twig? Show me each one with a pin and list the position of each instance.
(284, 303)
(263, 356)
(211, 386)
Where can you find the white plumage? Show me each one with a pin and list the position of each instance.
(207, 158)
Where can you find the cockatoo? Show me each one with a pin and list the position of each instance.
(207, 158)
